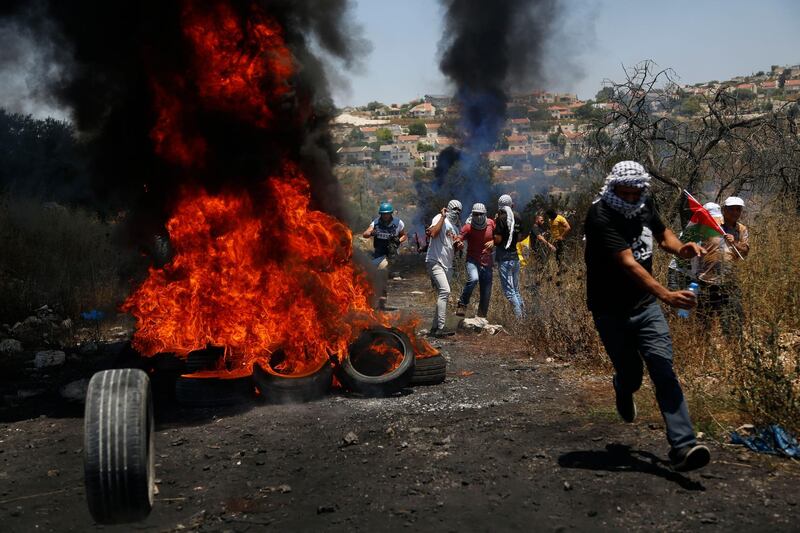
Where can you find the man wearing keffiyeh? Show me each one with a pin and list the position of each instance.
(507, 233)
(620, 228)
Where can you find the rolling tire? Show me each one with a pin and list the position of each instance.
(384, 384)
(118, 460)
(429, 371)
(212, 392)
(280, 389)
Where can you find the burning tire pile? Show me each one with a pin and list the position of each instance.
(119, 426)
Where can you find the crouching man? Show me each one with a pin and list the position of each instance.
(621, 227)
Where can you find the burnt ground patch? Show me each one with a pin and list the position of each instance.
(509, 442)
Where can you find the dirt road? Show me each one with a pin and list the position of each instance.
(506, 443)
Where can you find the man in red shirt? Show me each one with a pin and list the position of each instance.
(478, 233)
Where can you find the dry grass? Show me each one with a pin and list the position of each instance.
(61, 257)
(727, 381)
(758, 376)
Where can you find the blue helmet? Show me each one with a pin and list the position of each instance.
(386, 207)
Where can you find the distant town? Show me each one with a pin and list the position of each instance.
(380, 146)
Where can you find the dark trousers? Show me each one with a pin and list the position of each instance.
(559, 255)
(643, 337)
(477, 274)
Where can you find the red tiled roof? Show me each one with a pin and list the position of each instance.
(517, 139)
(792, 83)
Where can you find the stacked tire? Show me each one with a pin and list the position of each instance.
(210, 391)
(429, 370)
(359, 378)
(277, 388)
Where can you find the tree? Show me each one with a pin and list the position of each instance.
(723, 146)
(606, 94)
(447, 129)
(744, 95)
(372, 106)
(690, 106)
(355, 136)
(384, 135)
(424, 147)
(539, 115)
(417, 128)
(587, 112)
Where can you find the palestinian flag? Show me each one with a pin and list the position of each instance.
(702, 225)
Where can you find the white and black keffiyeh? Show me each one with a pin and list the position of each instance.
(505, 202)
(478, 217)
(454, 213)
(629, 174)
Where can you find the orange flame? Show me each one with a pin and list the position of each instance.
(252, 278)
(238, 281)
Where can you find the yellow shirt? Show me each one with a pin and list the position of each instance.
(521, 245)
(558, 227)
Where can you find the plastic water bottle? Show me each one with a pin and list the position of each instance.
(694, 287)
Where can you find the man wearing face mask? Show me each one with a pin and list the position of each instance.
(507, 232)
(439, 261)
(620, 228)
(478, 234)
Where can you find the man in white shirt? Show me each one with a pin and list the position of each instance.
(444, 231)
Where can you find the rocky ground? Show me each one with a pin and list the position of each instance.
(510, 441)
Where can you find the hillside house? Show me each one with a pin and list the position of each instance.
(791, 86)
(424, 110)
(355, 155)
(517, 143)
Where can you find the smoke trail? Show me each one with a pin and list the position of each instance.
(488, 48)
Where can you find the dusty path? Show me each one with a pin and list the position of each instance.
(504, 444)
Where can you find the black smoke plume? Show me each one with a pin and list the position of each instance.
(110, 51)
(488, 49)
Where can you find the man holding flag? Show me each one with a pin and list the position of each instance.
(721, 293)
(683, 271)
(620, 228)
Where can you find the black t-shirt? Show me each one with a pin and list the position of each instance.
(608, 287)
(501, 228)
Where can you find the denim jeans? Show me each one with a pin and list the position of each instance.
(440, 279)
(477, 274)
(509, 280)
(644, 335)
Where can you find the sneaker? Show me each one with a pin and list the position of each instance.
(439, 333)
(626, 407)
(689, 457)
(461, 310)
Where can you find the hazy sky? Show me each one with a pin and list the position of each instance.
(700, 39)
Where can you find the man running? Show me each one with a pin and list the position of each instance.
(478, 233)
(387, 234)
(439, 261)
(621, 227)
